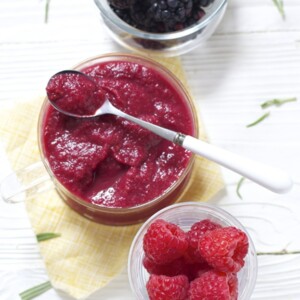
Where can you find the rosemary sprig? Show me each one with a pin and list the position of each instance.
(47, 11)
(238, 187)
(282, 252)
(277, 102)
(259, 120)
(280, 7)
(47, 236)
(35, 291)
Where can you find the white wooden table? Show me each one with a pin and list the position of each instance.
(253, 57)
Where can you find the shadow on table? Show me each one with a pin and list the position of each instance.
(209, 65)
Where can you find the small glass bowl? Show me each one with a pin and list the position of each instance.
(139, 213)
(185, 215)
(162, 44)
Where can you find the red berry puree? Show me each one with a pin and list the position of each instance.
(75, 93)
(106, 160)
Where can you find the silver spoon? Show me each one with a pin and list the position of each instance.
(271, 178)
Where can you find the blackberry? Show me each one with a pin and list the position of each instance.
(196, 15)
(138, 11)
(169, 12)
(124, 14)
(119, 4)
(160, 16)
(149, 44)
(205, 3)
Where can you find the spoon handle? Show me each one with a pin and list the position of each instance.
(271, 178)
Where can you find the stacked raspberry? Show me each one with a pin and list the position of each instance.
(199, 264)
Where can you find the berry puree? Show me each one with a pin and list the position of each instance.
(75, 93)
(111, 162)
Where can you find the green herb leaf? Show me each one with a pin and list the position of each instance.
(280, 7)
(259, 120)
(47, 11)
(239, 186)
(283, 252)
(277, 102)
(47, 236)
(36, 291)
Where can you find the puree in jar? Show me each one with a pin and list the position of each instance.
(111, 162)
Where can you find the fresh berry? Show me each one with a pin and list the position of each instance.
(233, 285)
(174, 268)
(224, 249)
(124, 14)
(160, 16)
(150, 44)
(214, 285)
(164, 242)
(121, 4)
(205, 2)
(194, 271)
(169, 12)
(195, 16)
(160, 287)
(197, 231)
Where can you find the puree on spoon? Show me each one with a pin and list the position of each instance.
(106, 160)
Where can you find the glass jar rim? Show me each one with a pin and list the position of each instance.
(189, 100)
(107, 12)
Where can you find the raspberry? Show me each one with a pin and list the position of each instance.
(194, 271)
(160, 287)
(233, 285)
(214, 285)
(164, 242)
(224, 249)
(197, 231)
(174, 268)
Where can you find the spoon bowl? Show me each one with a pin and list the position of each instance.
(75, 94)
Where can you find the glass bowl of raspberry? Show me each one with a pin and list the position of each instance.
(108, 169)
(192, 251)
(161, 27)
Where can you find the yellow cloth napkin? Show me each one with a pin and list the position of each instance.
(88, 255)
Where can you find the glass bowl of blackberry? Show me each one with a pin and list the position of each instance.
(192, 251)
(161, 27)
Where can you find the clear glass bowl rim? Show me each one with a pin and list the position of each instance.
(110, 15)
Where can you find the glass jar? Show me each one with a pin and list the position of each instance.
(137, 213)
